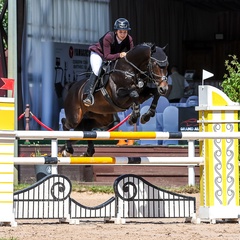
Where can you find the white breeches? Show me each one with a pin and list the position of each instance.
(96, 62)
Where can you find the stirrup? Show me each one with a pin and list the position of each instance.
(89, 100)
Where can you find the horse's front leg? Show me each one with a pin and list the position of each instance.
(151, 111)
(135, 114)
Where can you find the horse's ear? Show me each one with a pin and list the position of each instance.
(153, 48)
(165, 47)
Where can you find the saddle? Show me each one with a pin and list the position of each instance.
(103, 76)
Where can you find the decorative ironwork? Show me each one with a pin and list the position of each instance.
(134, 197)
(218, 165)
(230, 165)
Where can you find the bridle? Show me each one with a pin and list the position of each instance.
(149, 74)
(162, 64)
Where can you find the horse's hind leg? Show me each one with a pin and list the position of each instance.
(67, 149)
(90, 149)
(87, 125)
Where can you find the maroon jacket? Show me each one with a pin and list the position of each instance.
(108, 47)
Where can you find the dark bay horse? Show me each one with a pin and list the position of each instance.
(123, 85)
(150, 90)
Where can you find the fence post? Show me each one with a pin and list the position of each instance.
(42, 170)
(27, 119)
(7, 165)
(54, 153)
(219, 184)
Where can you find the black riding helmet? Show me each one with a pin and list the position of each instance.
(122, 24)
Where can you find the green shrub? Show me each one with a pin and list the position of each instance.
(231, 83)
(231, 79)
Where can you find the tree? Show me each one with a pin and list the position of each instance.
(4, 21)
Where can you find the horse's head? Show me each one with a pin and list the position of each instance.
(158, 69)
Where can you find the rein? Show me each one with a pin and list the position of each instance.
(149, 74)
(134, 66)
(126, 73)
(152, 74)
(140, 71)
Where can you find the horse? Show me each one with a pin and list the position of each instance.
(120, 87)
(150, 90)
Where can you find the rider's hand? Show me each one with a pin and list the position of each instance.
(122, 54)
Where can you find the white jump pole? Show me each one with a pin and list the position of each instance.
(181, 161)
(103, 135)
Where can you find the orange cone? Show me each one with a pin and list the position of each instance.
(122, 142)
(130, 142)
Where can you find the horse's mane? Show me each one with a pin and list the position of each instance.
(157, 53)
(152, 46)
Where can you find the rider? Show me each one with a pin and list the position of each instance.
(113, 45)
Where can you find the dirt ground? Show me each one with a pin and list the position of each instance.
(137, 229)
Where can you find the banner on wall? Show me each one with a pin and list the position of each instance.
(62, 63)
(71, 64)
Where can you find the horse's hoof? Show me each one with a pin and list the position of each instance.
(66, 154)
(66, 151)
(130, 122)
(85, 155)
(144, 119)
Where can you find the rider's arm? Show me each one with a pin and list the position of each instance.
(107, 41)
(131, 42)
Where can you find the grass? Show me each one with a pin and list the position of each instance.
(20, 187)
(91, 188)
(185, 189)
(76, 187)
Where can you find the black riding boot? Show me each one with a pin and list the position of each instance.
(89, 100)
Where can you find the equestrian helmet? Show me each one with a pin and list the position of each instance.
(122, 24)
